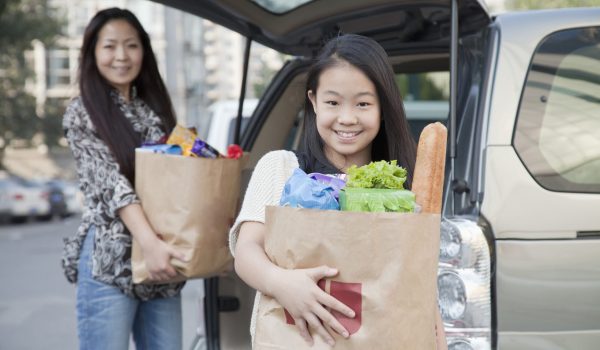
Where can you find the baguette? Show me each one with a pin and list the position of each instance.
(428, 178)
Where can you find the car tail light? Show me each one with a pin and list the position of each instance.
(44, 195)
(464, 285)
(18, 197)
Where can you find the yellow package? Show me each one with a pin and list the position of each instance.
(183, 137)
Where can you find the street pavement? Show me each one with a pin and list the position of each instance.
(37, 304)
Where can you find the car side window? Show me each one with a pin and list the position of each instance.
(425, 96)
(557, 134)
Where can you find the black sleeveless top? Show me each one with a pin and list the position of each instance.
(311, 165)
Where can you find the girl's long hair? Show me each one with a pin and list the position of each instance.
(394, 140)
(111, 124)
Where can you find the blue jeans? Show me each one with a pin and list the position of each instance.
(106, 317)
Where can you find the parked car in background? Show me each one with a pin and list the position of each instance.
(64, 197)
(56, 199)
(24, 199)
(520, 239)
(5, 201)
(73, 198)
(223, 116)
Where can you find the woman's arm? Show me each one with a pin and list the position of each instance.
(295, 290)
(100, 178)
(157, 254)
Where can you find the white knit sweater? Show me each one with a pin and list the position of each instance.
(265, 188)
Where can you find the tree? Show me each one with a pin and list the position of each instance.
(21, 22)
(548, 4)
(419, 87)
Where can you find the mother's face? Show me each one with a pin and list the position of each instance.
(119, 54)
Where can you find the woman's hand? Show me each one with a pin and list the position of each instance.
(158, 255)
(298, 293)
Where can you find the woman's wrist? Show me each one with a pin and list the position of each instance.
(147, 239)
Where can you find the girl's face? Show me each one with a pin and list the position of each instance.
(348, 114)
(119, 54)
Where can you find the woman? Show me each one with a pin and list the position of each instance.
(123, 103)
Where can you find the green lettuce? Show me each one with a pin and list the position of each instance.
(377, 200)
(376, 175)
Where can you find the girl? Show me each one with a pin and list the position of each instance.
(353, 115)
(123, 102)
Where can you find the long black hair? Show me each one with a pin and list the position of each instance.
(111, 124)
(394, 140)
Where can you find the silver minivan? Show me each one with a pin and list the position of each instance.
(520, 92)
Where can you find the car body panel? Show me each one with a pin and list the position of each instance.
(549, 340)
(547, 244)
(547, 294)
(519, 208)
(558, 289)
(300, 31)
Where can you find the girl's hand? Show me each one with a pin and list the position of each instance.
(157, 255)
(298, 293)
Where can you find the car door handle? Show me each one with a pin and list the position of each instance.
(588, 234)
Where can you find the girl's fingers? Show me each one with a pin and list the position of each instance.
(322, 271)
(304, 333)
(334, 304)
(331, 321)
(316, 324)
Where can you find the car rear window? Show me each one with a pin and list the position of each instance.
(557, 134)
(280, 6)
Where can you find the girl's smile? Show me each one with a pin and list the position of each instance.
(347, 136)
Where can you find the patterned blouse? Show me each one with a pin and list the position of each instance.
(106, 190)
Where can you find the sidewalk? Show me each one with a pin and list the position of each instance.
(40, 163)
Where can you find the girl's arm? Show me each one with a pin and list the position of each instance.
(157, 254)
(295, 290)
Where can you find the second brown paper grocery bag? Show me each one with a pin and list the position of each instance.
(191, 203)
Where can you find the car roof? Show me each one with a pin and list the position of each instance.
(398, 25)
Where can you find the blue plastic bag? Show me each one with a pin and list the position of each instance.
(301, 191)
(335, 181)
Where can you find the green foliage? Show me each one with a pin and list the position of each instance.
(264, 76)
(21, 22)
(419, 87)
(51, 124)
(548, 4)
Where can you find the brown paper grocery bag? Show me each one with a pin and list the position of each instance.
(191, 203)
(387, 273)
